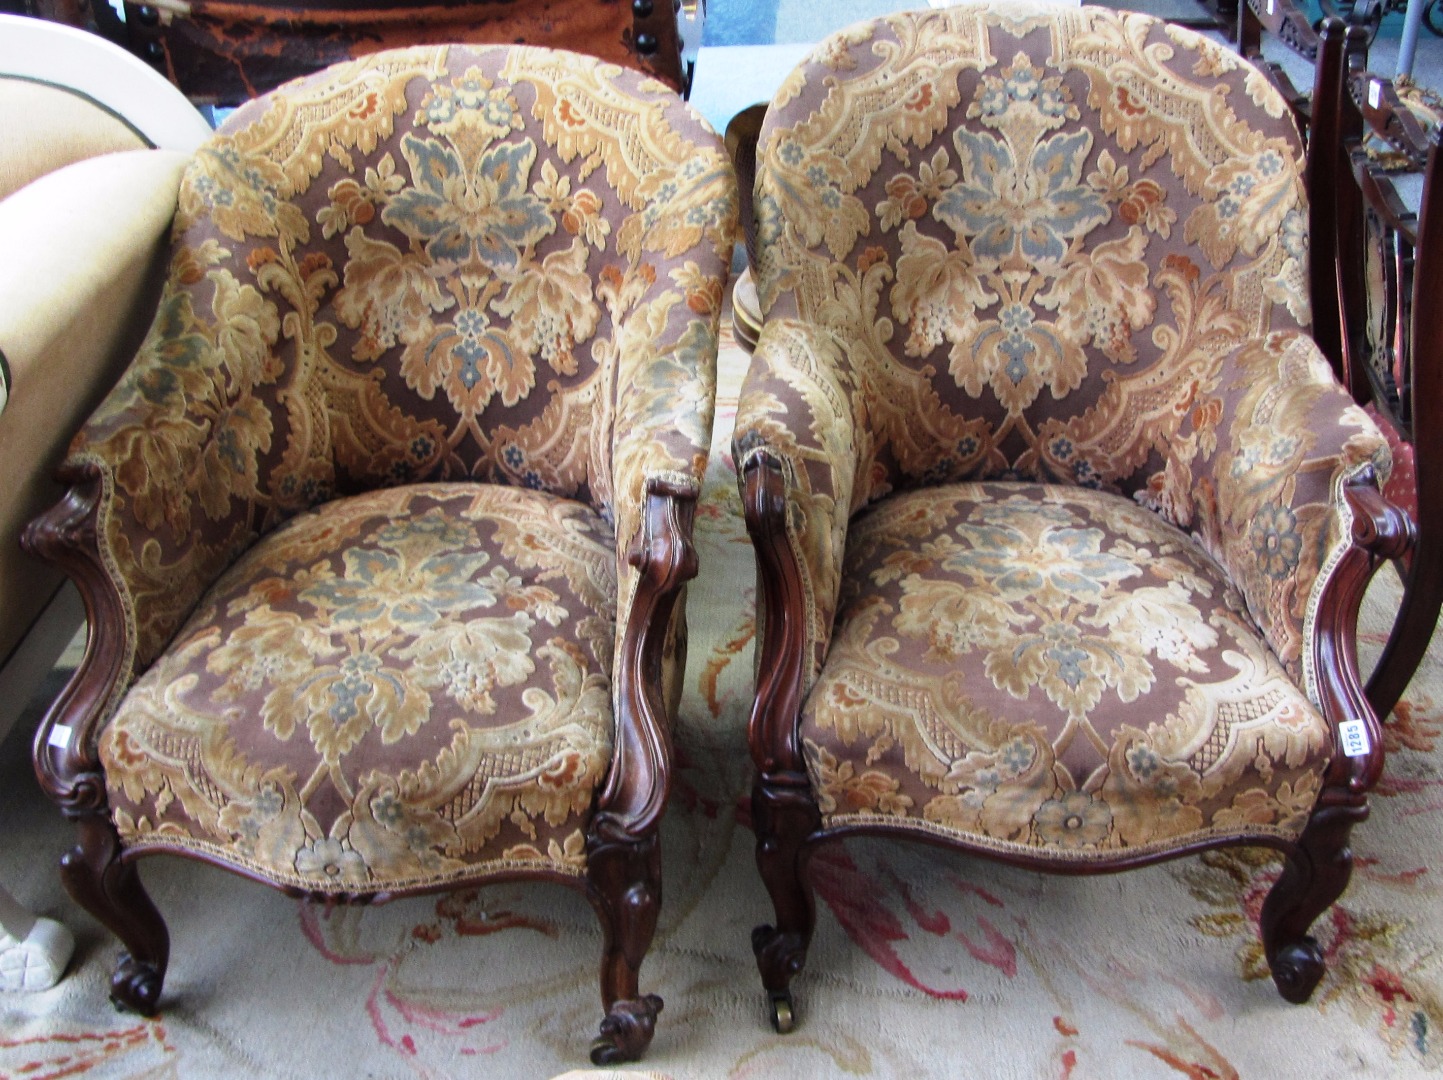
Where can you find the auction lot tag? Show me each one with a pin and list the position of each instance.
(1354, 734)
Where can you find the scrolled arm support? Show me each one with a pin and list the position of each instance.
(665, 558)
(782, 607)
(1379, 526)
(68, 536)
(1380, 532)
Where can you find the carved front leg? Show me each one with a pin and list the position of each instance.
(1314, 876)
(624, 875)
(110, 889)
(623, 857)
(64, 755)
(784, 815)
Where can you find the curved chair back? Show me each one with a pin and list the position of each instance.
(441, 263)
(1119, 206)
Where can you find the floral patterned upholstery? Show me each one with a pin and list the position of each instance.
(1063, 469)
(387, 524)
(481, 267)
(395, 688)
(386, 530)
(1052, 668)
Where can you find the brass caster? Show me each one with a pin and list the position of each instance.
(783, 1019)
(604, 1052)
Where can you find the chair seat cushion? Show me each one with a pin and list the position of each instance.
(394, 690)
(1055, 672)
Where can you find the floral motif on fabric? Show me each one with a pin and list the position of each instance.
(442, 263)
(1053, 670)
(1065, 246)
(394, 688)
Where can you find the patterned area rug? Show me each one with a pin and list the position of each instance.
(925, 964)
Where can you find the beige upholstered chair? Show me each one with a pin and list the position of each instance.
(384, 530)
(90, 163)
(90, 158)
(1061, 520)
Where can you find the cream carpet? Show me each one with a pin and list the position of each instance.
(924, 964)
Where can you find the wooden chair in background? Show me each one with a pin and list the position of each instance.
(1384, 286)
(224, 52)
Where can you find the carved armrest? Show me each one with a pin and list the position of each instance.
(1379, 532)
(66, 763)
(1385, 116)
(799, 457)
(664, 559)
(661, 429)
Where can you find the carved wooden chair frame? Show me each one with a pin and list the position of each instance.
(622, 880)
(789, 825)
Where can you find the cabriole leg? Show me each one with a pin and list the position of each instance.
(784, 816)
(1315, 875)
(625, 889)
(110, 889)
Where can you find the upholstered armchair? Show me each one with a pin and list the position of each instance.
(383, 533)
(1061, 519)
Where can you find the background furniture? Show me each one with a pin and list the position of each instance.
(224, 52)
(1061, 519)
(81, 233)
(1380, 289)
(1283, 21)
(384, 530)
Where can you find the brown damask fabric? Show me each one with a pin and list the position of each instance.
(434, 321)
(392, 689)
(1060, 245)
(499, 265)
(1048, 667)
(1064, 247)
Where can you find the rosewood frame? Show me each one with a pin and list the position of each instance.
(788, 823)
(623, 881)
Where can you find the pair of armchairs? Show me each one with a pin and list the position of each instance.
(1061, 520)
